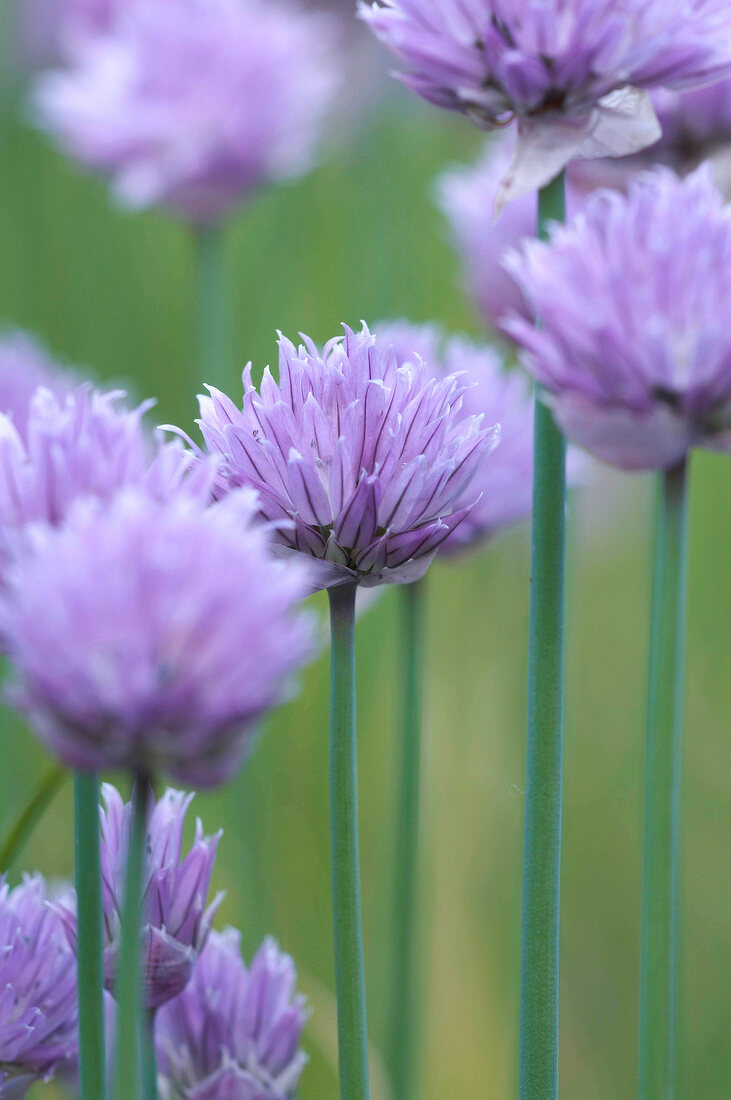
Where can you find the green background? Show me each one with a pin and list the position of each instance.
(359, 238)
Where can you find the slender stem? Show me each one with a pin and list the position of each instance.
(40, 800)
(542, 836)
(149, 1061)
(347, 925)
(658, 971)
(127, 979)
(213, 312)
(404, 1022)
(92, 1048)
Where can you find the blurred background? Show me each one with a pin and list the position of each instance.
(360, 238)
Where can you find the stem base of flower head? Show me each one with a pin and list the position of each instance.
(658, 968)
(544, 764)
(347, 921)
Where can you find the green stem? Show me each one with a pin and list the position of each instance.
(24, 826)
(658, 972)
(127, 979)
(89, 947)
(213, 306)
(347, 926)
(542, 835)
(149, 1061)
(404, 1022)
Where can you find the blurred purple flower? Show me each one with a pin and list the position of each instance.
(502, 397)
(574, 73)
(83, 444)
(151, 635)
(465, 197)
(192, 106)
(175, 889)
(634, 348)
(37, 989)
(359, 462)
(24, 366)
(234, 1033)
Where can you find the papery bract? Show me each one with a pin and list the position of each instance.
(193, 105)
(574, 73)
(634, 348)
(359, 462)
(234, 1033)
(38, 1021)
(152, 636)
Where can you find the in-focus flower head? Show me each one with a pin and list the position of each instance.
(574, 73)
(634, 348)
(234, 1032)
(503, 397)
(152, 635)
(24, 367)
(359, 462)
(192, 106)
(37, 989)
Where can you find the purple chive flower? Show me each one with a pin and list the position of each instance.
(465, 197)
(37, 989)
(505, 480)
(24, 367)
(234, 1033)
(573, 73)
(192, 106)
(83, 444)
(153, 636)
(176, 920)
(359, 462)
(634, 348)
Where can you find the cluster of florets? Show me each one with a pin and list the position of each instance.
(222, 1029)
(38, 1018)
(192, 106)
(633, 350)
(361, 462)
(573, 74)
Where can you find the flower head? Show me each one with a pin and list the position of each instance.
(176, 920)
(634, 349)
(574, 73)
(192, 106)
(359, 462)
(152, 636)
(24, 367)
(234, 1033)
(84, 444)
(37, 989)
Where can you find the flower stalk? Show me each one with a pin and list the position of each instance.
(658, 968)
(127, 980)
(347, 923)
(404, 1020)
(92, 1049)
(212, 304)
(542, 834)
